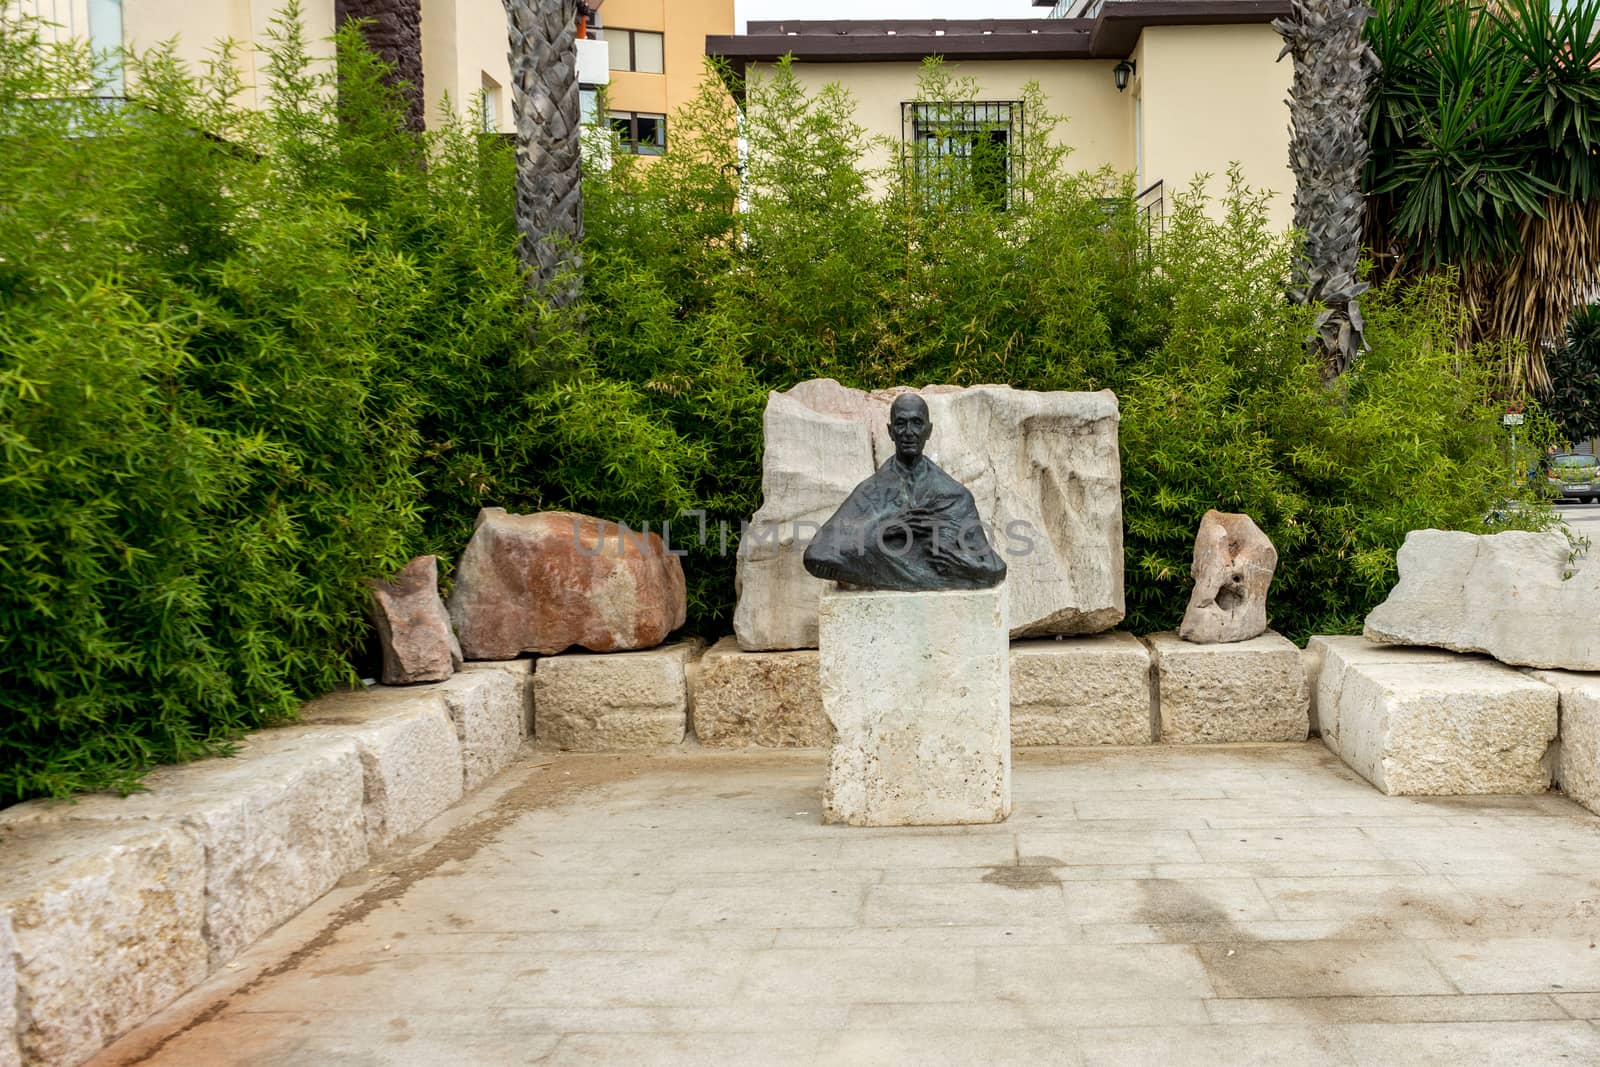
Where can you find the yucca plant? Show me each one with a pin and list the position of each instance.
(1483, 129)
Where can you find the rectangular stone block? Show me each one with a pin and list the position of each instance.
(1420, 726)
(410, 757)
(764, 699)
(1578, 763)
(1253, 690)
(1334, 655)
(106, 920)
(917, 687)
(489, 709)
(1081, 691)
(588, 702)
(280, 823)
(522, 671)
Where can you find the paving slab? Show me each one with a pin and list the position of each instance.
(1224, 904)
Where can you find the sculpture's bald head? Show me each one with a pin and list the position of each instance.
(909, 426)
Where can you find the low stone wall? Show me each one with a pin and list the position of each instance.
(111, 907)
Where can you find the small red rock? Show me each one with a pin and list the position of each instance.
(550, 581)
(418, 644)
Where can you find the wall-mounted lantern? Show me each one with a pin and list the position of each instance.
(1121, 73)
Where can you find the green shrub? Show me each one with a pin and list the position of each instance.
(249, 359)
(869, 278)
(1574, 400)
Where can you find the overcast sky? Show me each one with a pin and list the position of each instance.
(884, 9)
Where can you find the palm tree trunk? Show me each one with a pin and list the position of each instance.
(393, 29)
(1333, 66)
(544, 80)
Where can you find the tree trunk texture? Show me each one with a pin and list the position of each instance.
(1333, 67)
(393, 29)
(1528, 300)
(544, 79)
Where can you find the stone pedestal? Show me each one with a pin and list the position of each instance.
(917, 687)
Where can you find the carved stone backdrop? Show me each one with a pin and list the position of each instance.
(1043, 468)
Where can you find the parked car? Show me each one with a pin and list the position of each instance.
(1574, 476)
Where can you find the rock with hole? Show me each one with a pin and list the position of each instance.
(1232, 570)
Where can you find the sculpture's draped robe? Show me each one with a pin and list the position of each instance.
(909, 528)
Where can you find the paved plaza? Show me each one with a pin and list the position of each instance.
(1157, 905)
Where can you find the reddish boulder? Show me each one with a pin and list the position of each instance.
(418, 644)
(547, 582)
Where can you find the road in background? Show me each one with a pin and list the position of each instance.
(1583, 519)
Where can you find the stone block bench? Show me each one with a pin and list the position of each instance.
(1577, 763)
(110, 907)
(1425, 722)
(1253, 690)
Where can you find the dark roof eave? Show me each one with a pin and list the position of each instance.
(1112, 35)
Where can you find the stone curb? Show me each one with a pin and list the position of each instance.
(111, 907)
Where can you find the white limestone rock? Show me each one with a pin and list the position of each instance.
(10, 1054)
(1092, 690)
(818, 447)
(1424, 722)
(764, 699)
(613, 701)
(410, 757)
(1518, 597)
(1253, 690)
(1578, 763)
(280, 823)
(917, 688)
(1334, 655)
(106, 920)
(1043, 469)
(490, 710)
(1232, 571)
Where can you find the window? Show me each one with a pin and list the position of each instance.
(636, 50)
(491, 105)
(639, 132)
(962, 150)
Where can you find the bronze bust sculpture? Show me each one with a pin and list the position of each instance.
(908, 527)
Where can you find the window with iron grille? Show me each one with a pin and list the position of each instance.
(964, 150)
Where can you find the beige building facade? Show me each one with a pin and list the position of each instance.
(657, 51)
(1199, 86)
(464, 43)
